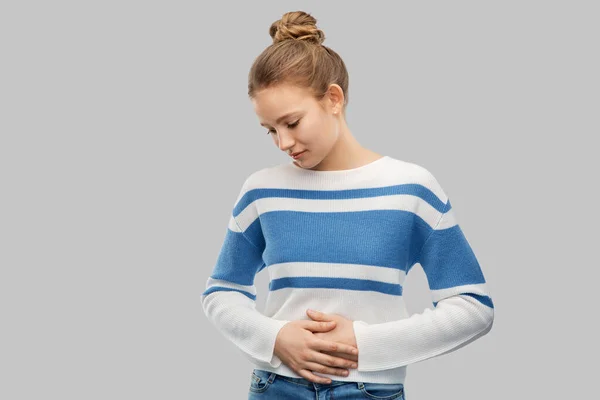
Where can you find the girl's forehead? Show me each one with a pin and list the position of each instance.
(275, 106)
(282, 92)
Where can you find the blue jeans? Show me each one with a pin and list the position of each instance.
(269, 385)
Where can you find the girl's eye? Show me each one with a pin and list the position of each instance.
(295, 124)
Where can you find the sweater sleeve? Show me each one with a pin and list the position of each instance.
(463, 309)
(229, 300)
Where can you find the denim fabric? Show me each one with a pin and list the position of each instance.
(269, 385)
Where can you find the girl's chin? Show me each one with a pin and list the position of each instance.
(301, 161)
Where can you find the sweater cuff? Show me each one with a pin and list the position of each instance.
(272, 359)
(367, 357)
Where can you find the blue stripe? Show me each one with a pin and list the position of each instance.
(336, 283)
(238, 261)
(385, 238)
(482, 299)
(408, 188)
(227, 289)
(448, 260)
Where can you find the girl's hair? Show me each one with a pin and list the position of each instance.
(297, 57)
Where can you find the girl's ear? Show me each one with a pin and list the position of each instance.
(335, 97)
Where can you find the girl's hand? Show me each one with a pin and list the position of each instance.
(342, 333)
(298, 348)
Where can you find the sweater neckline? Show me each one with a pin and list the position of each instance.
(339, 172)
(337, 179)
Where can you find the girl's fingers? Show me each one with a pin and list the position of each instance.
(317, 326)
(312, 377)
(326, 345)
(346, 356)
(332, 361)
(324, 369)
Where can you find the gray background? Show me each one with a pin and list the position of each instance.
(126, 133)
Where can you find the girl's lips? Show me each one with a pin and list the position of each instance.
(298, 154)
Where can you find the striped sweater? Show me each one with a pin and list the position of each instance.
(342, 242)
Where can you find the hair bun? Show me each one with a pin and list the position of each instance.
(297, 25)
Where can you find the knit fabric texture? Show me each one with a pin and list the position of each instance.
(342, 242)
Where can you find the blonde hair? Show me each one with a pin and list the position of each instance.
(298, 57)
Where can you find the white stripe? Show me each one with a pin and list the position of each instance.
(369, 306)
(448, 221)
(247, 216)
(232, 225)
(388, 173)
(403, 202)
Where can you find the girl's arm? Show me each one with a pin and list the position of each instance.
(229, 300)
(463, 307)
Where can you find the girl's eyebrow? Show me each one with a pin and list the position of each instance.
(283, 117)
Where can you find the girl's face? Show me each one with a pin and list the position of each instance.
(297, 122)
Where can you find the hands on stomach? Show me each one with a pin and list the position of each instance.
(327, 346)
